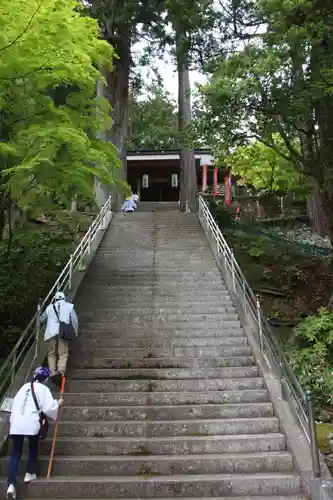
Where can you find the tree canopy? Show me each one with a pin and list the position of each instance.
(277, 84)
(264, 169)
(50, 61)
(153, 120)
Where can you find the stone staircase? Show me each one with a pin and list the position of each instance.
(163, 397)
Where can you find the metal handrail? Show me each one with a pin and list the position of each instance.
(300, 401)
(29, 340)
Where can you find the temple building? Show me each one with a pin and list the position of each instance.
(154, 175)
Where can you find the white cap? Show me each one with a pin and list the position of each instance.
(59, 296)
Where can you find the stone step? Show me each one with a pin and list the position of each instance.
(198, 308)
(207, 318)
(195, 293)
(194, 397)
(165, 325)
(182, 385)
(133, 304)
(179, 445)
(153, 275)
(217, 485)
(240, 463)
(85, 348)
(103, 362)
(159, 283)
(160, 343)
(107, 413)
(160, 287)
(159, 314)
(153, 343)
(141, 332)
(200, 272)
(165, 374)
(163, 428)
(273, 497)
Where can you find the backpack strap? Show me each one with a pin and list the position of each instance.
(56, 312)
(34, 397)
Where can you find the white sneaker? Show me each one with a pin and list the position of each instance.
(11, 492)
(29, 477)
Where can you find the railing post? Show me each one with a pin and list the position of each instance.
(13, 367)
(313, 436)
(81, 258)
(89, 243)
(244, 294)
(233, 269)
(259, 322)
(102, 223)
(39, 305)
(70, 272)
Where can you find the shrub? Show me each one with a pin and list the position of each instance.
(220, 212)
(310, 352)
(26, 274)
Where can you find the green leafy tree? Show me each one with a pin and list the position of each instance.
(264, 169)
(153, 120)
(50, 55)
(279, 85)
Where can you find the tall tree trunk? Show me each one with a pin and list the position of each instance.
(315, 207)
(188, 175)
(321, 62)
(3, 203)
(102, 191)
(118, 95)
(316, 213)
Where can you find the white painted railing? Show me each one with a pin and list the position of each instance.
(28, 343)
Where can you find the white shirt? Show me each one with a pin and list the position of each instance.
(128, 206)
(66, 313)
(24, 418)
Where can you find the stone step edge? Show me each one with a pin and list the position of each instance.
(134, 439)
(166, 458)
(166, 479)
(273, 497)
(163, 422)
(165, 407)
(175, 358)
(155, 380)
(189, 393)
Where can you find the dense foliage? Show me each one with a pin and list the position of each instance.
(38, 255)
(50, 117)
(263, 168)
(310, 351)
(278, 85)
(153, 120)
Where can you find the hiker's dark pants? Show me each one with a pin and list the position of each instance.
(15, 457)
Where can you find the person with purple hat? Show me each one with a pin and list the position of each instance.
(32, 400)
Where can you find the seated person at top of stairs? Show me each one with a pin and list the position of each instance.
(130, 204)
(24, 421)
(59, 311)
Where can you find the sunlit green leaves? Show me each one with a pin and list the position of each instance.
(263, 168)
(311, 355)
(50, 61)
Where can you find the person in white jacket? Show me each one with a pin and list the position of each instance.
(58, 347)
(25, 421)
